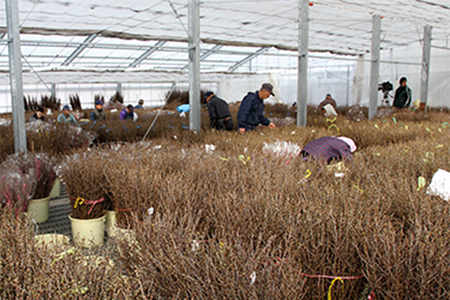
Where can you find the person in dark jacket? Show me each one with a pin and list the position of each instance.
(251, 111)
(37, 116)
(219, 112)
(98, 114)
(140, 104)
(403, 95)
(327, 149)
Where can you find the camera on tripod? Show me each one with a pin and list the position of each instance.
(386, 88)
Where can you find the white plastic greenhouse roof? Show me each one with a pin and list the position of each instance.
(151, 35)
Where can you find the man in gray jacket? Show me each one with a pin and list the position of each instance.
(98, 114)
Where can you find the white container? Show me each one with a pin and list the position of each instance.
(56, 190)
(38, 209)
(111, 223)
(89, 232)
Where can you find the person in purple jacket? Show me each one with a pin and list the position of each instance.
(127, 113)
(327, 149)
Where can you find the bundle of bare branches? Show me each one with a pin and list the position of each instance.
(75, 102)
(84, 179)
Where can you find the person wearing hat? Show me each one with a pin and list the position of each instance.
(403, 94)
(328, 100)
(251, 111)
(38, 115)
(140, 104)
(66, 117)
(326, 149)
(128, 114)
(98, 114)
(219, 112)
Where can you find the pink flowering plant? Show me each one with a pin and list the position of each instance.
(39, 165)
(16, 189)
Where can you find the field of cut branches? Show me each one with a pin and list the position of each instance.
(216, 215)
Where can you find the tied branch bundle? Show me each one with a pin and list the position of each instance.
(83, 177)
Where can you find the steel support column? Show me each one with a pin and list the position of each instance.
(53, 90)
(302, 85)
(15, 74)
(119, 88)
(375, 66)
(426, 55)
(194, 64)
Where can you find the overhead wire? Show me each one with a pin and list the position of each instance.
(178, 16)
(37, 74)
(418, 34)
(28, 15)
(175, 83)
(161, 109)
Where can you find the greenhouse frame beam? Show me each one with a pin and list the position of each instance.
(302, 81)
(375, 66)
(247, 59)
(210, 52)
(15, 70)
(141, 37)
(30, 43)
(183, 50)
(194, 64)
(147, 54)
(426, 56)
(79, 49)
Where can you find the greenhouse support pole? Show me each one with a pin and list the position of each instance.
(302, 85)
(426, 55)
(15, 75)
(348, 86)
(194, 64)
(119, 88)
(375, 66)
(53, 91)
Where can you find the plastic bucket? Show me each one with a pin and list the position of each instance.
(56, 190)
(89, 232)
(111, 223)
(57, 242)
(38, 209)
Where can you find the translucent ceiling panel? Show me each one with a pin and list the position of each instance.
(341, 26)
(171, 55)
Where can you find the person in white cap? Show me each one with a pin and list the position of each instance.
(328, 149)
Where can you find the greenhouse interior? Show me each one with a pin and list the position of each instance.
(240, 149)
